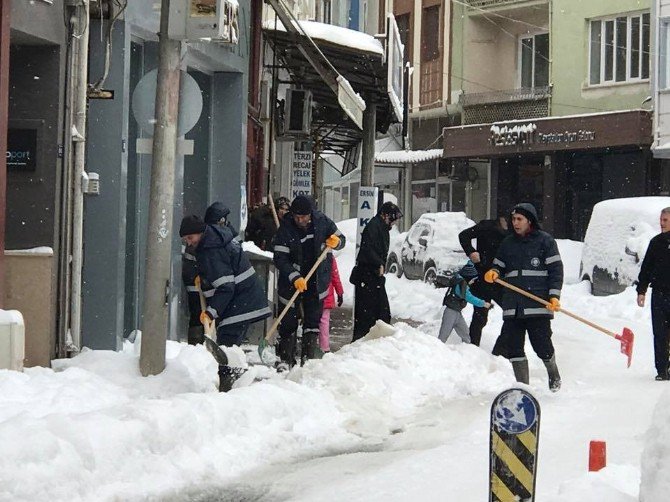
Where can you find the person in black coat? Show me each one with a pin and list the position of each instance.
(216, 214)
(489, 235)
(235, 297)
(529, 259)
(655, 271)
(371, 302)
(302, 236)
(261, 227)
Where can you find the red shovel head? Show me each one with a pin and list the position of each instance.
(626, 338)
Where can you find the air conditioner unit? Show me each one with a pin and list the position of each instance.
(204, 21)
(12, 340)
(297, 121)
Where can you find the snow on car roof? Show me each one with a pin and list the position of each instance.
(617, 225)
(447, 226)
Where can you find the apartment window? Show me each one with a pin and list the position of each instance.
(535, 60)
(405, 31)
(619, 49)
(430, 34)
(664, 50)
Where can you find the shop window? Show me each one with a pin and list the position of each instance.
(534, 66)
(619, 49)
(424, 171)
(663, 51)
(424, 199)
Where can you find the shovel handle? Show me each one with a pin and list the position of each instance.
(273, 209)
(566, 312)
(275, 325)
(203, 306)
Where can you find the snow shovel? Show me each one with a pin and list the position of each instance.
(626, 337)
(210, 333)
(262, 345)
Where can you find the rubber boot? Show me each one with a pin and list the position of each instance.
(552, 371)
(310, 346)
(520, 368)
(196, 335)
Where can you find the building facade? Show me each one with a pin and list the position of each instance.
(553, 105)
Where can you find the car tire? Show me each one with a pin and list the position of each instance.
(393, 266)
(430, 274)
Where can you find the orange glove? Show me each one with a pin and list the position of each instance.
(491, 276)
(300, 284)
(205, 318)
(554, 305)
(333, 241)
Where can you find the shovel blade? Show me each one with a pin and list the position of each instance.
(627, 338)
(216, 351)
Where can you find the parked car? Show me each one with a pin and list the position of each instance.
(430, 248)
(616, 240)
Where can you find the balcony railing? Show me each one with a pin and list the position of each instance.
(493, 4)
(495, 106)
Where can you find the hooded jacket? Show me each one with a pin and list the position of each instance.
(531, 262)
(229, 282)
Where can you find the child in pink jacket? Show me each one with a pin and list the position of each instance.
(335, 286)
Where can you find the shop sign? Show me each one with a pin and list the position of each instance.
(528, 134)
(22, 149)
(301, 180)
(367, 209)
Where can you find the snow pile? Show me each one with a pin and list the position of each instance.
(618, 230)
(655, 483)
(96, 430)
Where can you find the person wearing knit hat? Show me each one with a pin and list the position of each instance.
(302, 236)
(192, 226)
(233, 292)
(457, 296)
(529, 259)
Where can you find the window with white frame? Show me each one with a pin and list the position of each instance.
(663, 52)
(534, 68)
(619, 49)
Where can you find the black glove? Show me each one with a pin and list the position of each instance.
(340, 299)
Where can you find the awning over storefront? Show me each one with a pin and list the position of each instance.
(407, 156)
(573, 132)
(358, 57)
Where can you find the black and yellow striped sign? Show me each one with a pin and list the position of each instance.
(515, 426)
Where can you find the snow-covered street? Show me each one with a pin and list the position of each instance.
(398, 417)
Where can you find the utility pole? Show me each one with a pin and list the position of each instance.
(79, 105)
(155, 312)
(368, 150)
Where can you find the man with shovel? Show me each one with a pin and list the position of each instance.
(235, 297)
(529, 259)
(301, 238)
(655, 270)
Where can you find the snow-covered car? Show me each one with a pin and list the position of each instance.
(616, 240)
(430, 248)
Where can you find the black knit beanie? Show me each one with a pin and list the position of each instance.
(191, 224)
(301, 205)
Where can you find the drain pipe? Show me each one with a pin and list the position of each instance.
(78, 145)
